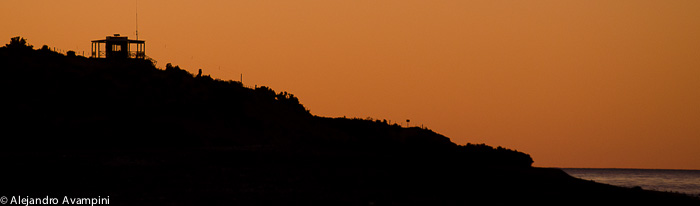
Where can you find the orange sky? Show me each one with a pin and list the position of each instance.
(574, 83)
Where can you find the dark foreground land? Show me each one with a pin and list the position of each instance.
(83, 127)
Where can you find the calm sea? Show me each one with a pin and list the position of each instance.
(683, 181)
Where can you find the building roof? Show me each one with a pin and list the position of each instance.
(117, 38)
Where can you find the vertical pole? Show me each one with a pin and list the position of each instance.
(137, 19)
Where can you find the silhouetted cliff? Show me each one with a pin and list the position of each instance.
(148, 136)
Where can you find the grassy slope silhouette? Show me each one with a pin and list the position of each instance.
(88, 127)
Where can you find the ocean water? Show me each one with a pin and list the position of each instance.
(682, 181)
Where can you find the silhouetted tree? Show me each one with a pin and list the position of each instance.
(18, 43)
(70, 53)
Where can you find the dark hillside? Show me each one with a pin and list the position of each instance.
(76, 126)
(114, 104)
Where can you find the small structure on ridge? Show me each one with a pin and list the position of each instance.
(118, 47)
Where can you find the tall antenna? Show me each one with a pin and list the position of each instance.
(137, 19)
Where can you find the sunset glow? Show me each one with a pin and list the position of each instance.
(573, 83)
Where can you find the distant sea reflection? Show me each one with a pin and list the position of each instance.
(683, 181)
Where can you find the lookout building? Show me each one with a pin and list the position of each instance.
(118, 47)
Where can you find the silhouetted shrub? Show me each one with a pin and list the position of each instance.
(18, 43)
(265, 92)
(176, 73)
